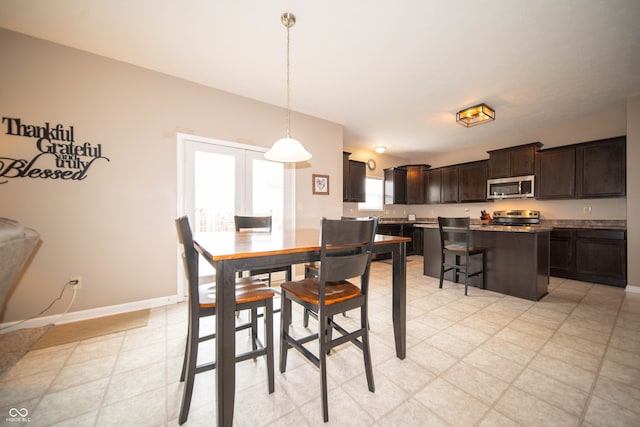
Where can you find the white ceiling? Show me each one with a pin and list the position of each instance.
(393, 73)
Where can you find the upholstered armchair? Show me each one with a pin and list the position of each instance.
(16, 245)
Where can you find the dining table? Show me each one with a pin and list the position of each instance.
(232, 252)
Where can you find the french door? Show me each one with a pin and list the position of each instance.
(219, 179)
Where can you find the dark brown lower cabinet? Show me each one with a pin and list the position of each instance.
(401, 229)
(591, 255)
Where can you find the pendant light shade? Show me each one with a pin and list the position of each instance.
(287, 149)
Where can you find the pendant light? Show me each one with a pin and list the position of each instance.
(287, 149)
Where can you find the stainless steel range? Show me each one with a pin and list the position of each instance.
(516, 217)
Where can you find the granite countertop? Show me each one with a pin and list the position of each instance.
(501, 228)
(544, 223)
(619, 224)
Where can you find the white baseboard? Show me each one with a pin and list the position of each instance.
(93, 313)
(632, 289)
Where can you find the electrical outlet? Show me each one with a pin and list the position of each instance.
(76, 282)
(586, 210)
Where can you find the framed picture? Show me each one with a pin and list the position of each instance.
(320, 184)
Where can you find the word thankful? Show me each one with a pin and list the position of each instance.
(58, 156)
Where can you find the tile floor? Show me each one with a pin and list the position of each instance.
(571, 359)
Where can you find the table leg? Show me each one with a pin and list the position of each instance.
(399, 267)
(225, 343)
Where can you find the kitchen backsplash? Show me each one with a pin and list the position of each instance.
(574, 209)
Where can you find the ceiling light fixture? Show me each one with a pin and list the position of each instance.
(380, 149)
(475, 115)
(287, 149)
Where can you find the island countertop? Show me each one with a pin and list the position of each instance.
(610, 224)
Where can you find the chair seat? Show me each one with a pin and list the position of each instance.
(307, 290)
(244, 294)
(463, 249)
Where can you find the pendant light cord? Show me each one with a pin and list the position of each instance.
(288, 85)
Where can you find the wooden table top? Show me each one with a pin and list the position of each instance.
(247, 244)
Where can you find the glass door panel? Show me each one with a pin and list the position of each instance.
(214, 188)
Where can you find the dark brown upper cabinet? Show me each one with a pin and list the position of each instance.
(353, 179)
(449, 184)
(432, 185)
(461, 183)
(513, 161)
(395, 186)
(415, 183)
(473, 181)
(588, 170)
(601, 168)
(556, 173)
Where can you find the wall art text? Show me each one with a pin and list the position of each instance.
(58, 156)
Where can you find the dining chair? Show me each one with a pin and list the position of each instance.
(345, 253)
(260, 223)
(251, 294)
(311, 270)
(457, 251)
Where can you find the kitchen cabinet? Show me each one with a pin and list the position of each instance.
(405, 184)
(449, 184)
(459, 183)
(416, 183)
(395, 186)
(353, 179)
(556, 173)
(587, 170)
(601, 168)
(390, 229)
(417, 240)
(513, 161)
(473, 182)
(592, 255)
(562, 249)
(432, 185)
(405, 230)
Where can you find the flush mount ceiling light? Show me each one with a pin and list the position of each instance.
(287, 149)
(380, 149)
(475, 115)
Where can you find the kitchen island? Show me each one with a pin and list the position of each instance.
(516, 258)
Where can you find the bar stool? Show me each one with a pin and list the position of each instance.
(455, 240)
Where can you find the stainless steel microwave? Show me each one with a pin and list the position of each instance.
(517, 187)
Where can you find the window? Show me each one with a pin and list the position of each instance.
(374, 195)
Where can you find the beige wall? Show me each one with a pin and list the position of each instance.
(115, 228)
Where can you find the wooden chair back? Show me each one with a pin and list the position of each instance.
(252, 222)
(345, 251)
(454, 232)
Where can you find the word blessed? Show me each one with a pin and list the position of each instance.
(58, 156)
